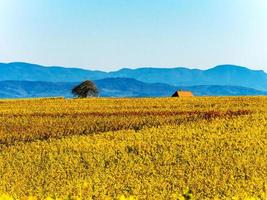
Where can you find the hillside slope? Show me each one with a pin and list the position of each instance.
(220, 75)
(115, 87)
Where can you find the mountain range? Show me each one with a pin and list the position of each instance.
(116, 87)
(29, 80)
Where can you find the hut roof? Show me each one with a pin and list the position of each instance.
(183, 94)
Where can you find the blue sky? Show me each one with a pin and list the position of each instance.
(111, 34)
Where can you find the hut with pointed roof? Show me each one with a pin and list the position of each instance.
(182, 94)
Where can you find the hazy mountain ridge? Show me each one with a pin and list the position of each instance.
(220, 75)
(115, 87)
(31, 72)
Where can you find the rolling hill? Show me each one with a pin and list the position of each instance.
(115, 87)
(19, 71)
(219, 75)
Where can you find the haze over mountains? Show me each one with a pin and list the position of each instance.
(29, 80)
(115, 87)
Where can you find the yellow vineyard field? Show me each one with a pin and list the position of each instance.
(158, 148)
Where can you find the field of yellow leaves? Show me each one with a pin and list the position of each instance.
(147, 148)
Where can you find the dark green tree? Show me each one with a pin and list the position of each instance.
(85, 89)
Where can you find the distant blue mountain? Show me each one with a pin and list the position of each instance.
(28, 89)
(115, 87)
(30, 72)
(220, 75)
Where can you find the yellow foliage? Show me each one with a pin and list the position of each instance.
(151, 148)
(5, 197)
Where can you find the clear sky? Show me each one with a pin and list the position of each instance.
(111, 34)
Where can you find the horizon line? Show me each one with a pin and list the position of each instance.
(133, 68)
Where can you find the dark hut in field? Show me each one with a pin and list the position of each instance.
(183, 94)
